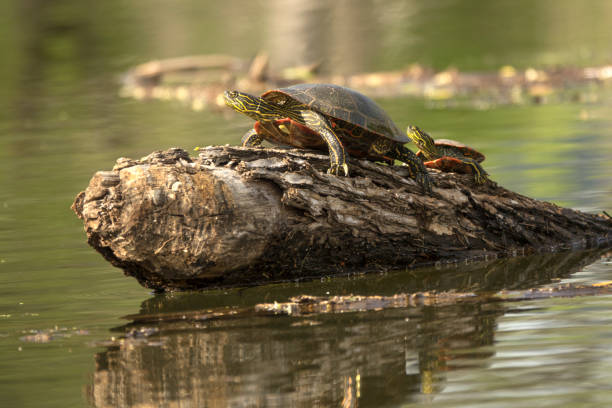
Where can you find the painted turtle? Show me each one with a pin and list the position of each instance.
(327, 117)
(448, 155)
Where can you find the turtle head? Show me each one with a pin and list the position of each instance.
(423, 141)
(253, 106)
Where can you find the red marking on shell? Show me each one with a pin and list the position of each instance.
(449, 164)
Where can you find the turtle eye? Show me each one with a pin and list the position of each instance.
(230, 94)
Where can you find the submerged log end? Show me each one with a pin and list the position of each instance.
(242, 216)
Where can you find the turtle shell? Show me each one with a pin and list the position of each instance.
(343, 104)
(453, 145)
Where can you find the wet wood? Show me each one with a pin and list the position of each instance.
(511, 279)
(311, 305)
(307, 305)
(243, 216)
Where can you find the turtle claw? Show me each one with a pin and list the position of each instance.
(335, 169)
(480, 175)
(345, 168)
(480, 179)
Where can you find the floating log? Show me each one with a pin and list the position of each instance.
(201, 80)
(311, 305)
(243, 216)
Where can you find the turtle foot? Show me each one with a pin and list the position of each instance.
(335, 169)
(480, 179)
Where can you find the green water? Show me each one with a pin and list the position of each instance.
(61, 119)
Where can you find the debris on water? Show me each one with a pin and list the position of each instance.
(200, 86)
(37, 338)
(305, 323)
(47, 335)
(310, 305)
(306, 305)
(142, 332)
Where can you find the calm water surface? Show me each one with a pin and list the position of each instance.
(61, 304)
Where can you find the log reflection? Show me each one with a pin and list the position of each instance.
(221, 356)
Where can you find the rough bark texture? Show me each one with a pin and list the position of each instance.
(249, 215)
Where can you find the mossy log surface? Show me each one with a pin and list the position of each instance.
(244, 216)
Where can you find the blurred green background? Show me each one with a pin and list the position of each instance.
(61, 119)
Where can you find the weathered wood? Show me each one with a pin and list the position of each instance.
(249, 215)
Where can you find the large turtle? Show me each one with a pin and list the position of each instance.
(327, 117)
(448, 155)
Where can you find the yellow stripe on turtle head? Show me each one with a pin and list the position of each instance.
(423, 141)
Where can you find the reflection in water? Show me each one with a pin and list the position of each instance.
(390, 356)
(517, 273)
(375, 358)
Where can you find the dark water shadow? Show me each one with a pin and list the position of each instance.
(214, 348)
(481, 277)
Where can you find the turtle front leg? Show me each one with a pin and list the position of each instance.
(251, 139)
(337, 155)
(417, 170)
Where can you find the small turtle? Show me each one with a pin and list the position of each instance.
(327, 117)
(448, 155)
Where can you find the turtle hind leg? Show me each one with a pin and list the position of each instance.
(251, 139)
(480, 175)
(337, 155)
(414, 164)
(459, 165)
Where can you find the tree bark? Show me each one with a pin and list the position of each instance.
(242, 216)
